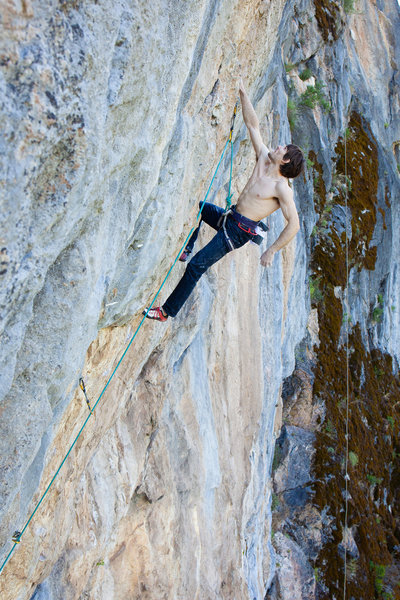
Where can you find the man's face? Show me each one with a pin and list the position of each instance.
(276, 156)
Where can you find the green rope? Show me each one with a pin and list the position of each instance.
(17, 535)
(229, 196)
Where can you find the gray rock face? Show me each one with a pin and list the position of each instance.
(113, 118)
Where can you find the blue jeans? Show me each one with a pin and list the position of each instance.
(207, 256)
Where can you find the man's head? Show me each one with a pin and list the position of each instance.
(292, 162)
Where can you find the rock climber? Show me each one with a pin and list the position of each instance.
(266, 191)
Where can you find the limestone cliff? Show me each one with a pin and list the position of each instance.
(114, 115)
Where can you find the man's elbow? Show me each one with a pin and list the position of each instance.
(294, 227)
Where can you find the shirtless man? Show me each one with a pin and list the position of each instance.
(266, 191)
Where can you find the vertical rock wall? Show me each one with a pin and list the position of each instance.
(114, 116)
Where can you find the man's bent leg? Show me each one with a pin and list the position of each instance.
(210, 254)
(211, 215)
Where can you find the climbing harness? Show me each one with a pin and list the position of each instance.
(18, 534)
(83, 388)
(257, 229)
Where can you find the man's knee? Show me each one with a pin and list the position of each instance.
(196, 267)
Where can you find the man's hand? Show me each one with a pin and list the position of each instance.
(267, 257)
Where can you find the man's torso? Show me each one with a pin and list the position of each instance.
(259, 196)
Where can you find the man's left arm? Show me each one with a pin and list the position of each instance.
(286, 202)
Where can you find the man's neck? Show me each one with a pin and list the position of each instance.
(272, 171)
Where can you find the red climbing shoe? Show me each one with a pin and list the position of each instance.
(185, 255)
(156, 314)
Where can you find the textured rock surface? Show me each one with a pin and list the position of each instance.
(114, 115)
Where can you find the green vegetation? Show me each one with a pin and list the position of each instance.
(329, 428)
(275, 502)
(289, 67)
(100, 563)
(306, 74)
(353, 458)
(315, 291)
(348, 6)
(377, 313)
(352, 567)
(374, 480)
(379, 572)
(277, 457)
(292, 113)
(314, 96)
(310, 163)
(391, 422)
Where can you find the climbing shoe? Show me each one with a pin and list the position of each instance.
(185, 255)
(156, 314)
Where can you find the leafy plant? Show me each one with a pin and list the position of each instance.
(353, 458)
(310, 163)
(289, 67)
(314, 96)
(377, 314)
(306, 74)
(329, 428)
(315, 291)
(391, 421)
(374, 480)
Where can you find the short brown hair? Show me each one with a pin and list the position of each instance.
(296, 162)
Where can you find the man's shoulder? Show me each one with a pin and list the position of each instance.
(283, 189)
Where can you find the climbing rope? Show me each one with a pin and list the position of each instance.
(16, 538)
(229, 196)
(345, 536)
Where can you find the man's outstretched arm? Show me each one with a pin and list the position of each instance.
(251, 121)
(289, 211)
